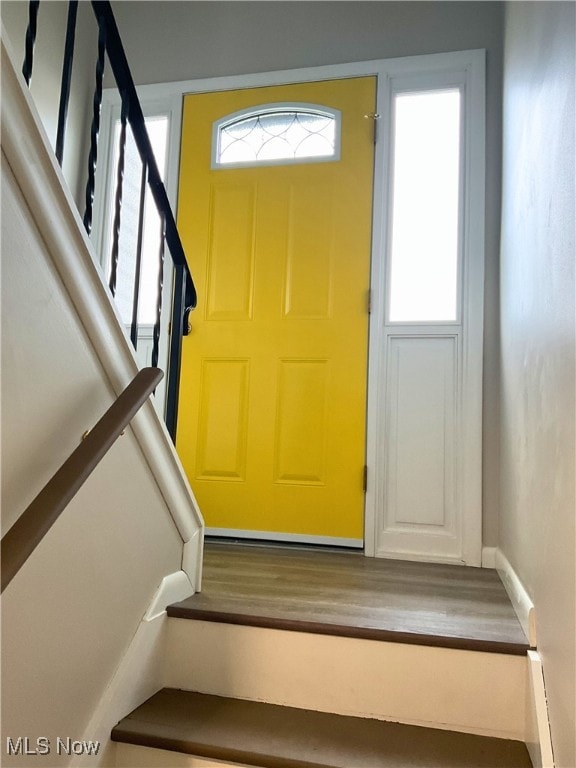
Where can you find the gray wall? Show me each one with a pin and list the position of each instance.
(538, 355)
(205, 39)
(47, 73)
(187, 40)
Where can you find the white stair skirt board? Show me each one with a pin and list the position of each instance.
(289, 538)
(133, 756)
(139, 675)
(467, 691)
(193, 558)
(489, 557)
(519, 597)
(538, 738)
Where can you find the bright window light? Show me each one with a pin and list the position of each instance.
(425, 207)
(158, 132)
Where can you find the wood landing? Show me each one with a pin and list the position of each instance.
(257, 734)
(347, 594)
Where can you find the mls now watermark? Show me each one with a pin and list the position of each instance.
(23, 745)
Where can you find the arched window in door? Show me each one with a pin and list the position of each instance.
(277, 134)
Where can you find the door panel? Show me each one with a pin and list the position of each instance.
(271, 426)
(420, 442)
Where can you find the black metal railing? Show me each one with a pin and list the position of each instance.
(111, 50)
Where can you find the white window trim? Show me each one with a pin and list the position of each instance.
(467, 67)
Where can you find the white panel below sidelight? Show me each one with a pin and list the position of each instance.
(420, 494)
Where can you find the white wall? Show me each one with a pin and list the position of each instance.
(70, 613)
(537, 339)
(206, 39)
(47, 74)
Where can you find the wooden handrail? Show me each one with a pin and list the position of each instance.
(31, 527)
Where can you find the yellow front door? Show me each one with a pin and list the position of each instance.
(271, 425)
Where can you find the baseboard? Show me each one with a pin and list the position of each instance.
(519, 597)
(538, 740)
(139, 674)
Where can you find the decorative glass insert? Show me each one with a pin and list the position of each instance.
(426, 152)
(277, 134)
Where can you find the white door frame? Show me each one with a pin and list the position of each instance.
(470, 65)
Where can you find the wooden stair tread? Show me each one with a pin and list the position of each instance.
(353, 596)
(273, 736)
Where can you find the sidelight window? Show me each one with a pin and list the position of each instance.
(426, 187)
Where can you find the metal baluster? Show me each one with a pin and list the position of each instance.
(97, 103)
(118, 199)
(30, 39)
(138, 267)
(184, 290)
(176, 327)
(66, 78)
(156, 333)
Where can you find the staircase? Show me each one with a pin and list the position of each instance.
(267, 666)
(298, 658)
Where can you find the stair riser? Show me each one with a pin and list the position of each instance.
(133, 756)
(467, 691)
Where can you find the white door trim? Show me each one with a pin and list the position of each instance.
(468, 549)
(471, 66)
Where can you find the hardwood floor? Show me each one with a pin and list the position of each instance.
(347, 594)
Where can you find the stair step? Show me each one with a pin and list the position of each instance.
(353, 596)
(194, 608)
(273, 736)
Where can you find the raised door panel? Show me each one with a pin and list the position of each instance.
(420, 446)
(230, 261)
(223, 420)
(301, 409)
(310, 251)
